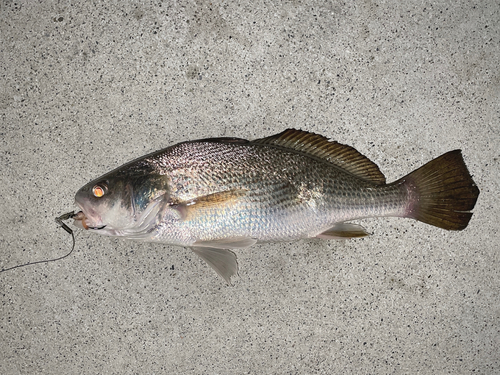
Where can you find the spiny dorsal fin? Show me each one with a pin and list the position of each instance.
(342, 156)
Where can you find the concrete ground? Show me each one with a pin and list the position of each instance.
(87, 86)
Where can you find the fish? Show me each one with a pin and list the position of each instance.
(220, 194)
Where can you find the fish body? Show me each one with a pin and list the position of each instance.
(225, 193)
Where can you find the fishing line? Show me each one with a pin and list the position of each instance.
(59, 220)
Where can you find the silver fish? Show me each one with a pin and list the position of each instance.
(218, 194)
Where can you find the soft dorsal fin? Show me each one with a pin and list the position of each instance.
(316, 145)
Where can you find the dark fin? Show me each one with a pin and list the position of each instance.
(195, 207)
(342, 231)
(223, 140)
(221, 260)
(316, 145)
(442, 192)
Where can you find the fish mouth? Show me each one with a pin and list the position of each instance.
(81, 220)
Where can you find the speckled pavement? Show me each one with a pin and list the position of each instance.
(87, 86)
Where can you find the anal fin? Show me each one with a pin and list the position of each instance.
(342, 231)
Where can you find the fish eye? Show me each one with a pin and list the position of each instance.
(99, 190)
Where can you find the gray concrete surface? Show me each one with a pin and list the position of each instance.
(87, 86)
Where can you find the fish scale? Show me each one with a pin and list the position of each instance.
(272, 179)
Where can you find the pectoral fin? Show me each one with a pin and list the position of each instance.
(188, 210)
(342, 231)
(223, 261)
(227, 243)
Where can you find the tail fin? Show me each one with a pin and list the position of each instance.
(442, 192)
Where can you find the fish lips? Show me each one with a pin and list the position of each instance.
(83, 221)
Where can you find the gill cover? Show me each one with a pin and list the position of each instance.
(123, 202)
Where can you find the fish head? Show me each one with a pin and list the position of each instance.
(121, 203)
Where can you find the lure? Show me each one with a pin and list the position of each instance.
(59, 220)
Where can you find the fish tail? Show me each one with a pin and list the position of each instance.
(442, 192)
